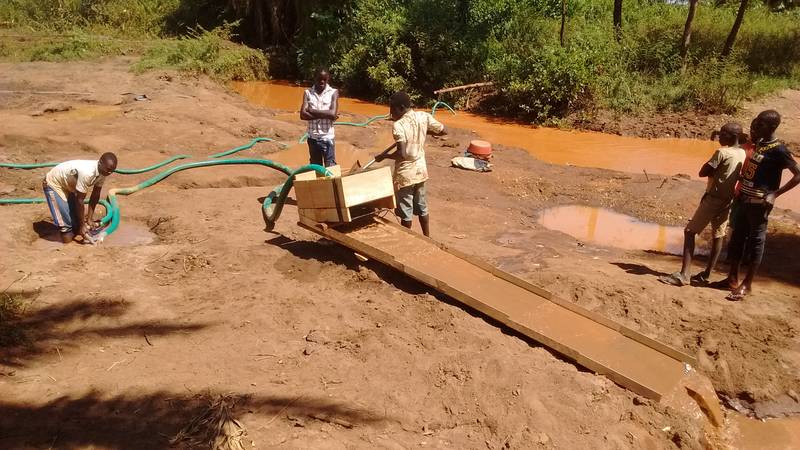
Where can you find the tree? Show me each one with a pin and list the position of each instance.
(687, 32)
(563, 21)
(726, 51)
(618, 19)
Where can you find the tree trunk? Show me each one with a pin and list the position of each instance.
(618, 19)
(726, 51)
(687, 33)
(258, 18)
(563, 21)
(274, 7)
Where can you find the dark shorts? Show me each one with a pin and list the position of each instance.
(749, 231)
(411, 201)
(64, 212)
(322, 152)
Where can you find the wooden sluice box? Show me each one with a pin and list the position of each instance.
(340, 199)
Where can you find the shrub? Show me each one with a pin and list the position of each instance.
(206, 52)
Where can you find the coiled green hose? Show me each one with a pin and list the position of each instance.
(271, 218)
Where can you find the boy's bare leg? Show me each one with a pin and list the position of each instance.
(425, 223)
(716, 249)
(406, 223)
(688, 253)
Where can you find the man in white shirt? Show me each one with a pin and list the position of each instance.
(65, 188)
(320, 109)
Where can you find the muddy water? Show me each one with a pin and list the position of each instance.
(128, 234)
(773, 434)
(586, 149)
(608, 228)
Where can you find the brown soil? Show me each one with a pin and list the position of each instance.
(121, 344)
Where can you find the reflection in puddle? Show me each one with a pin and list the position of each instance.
(608, 228)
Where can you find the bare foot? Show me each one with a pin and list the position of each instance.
(738, 293)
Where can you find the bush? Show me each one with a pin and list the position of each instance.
(206, 52)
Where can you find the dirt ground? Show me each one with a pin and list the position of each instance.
(123, 344)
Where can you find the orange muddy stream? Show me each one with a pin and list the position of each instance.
(587, 149)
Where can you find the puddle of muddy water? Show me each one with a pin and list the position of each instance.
(127, 235)
(611, 229)
(587, 149)
(773, 434)
(88, 112)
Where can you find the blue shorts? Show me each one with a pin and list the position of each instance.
(64, 212)
(322, 152)
(411, 200)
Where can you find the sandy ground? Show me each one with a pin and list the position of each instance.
(122, 344)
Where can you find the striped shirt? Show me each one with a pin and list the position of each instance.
(320, 128)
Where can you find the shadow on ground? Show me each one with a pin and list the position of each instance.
(150, 421)
(779, 261)
(328, 252)
(28, 335)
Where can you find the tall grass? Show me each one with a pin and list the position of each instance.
(206, 52)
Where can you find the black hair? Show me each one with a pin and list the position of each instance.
(770, 119)
(731, 133)
(320, 70)
(400, 100)
(109, 159)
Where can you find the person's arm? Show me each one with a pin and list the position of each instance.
(332, 113)
(435, 127)
(706, 171)
(794, 181)
(305, 113)
(93, 200)
(710, 167)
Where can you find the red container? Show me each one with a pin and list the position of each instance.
(480, 148)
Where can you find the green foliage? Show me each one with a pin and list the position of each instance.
(74, 47)
(376, 47)
(206, 52)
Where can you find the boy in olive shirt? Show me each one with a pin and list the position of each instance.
(722, 171)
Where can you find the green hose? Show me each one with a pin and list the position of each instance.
(153, 167)
(436, 105)
(115, 209)
(270, 212)
(121, 171)
(304, 137)
(240, 148)
(32, 201)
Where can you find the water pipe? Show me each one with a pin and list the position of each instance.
(32, 201)
(436, 105)
(120, 171)
(243, 147)
(115, 209)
